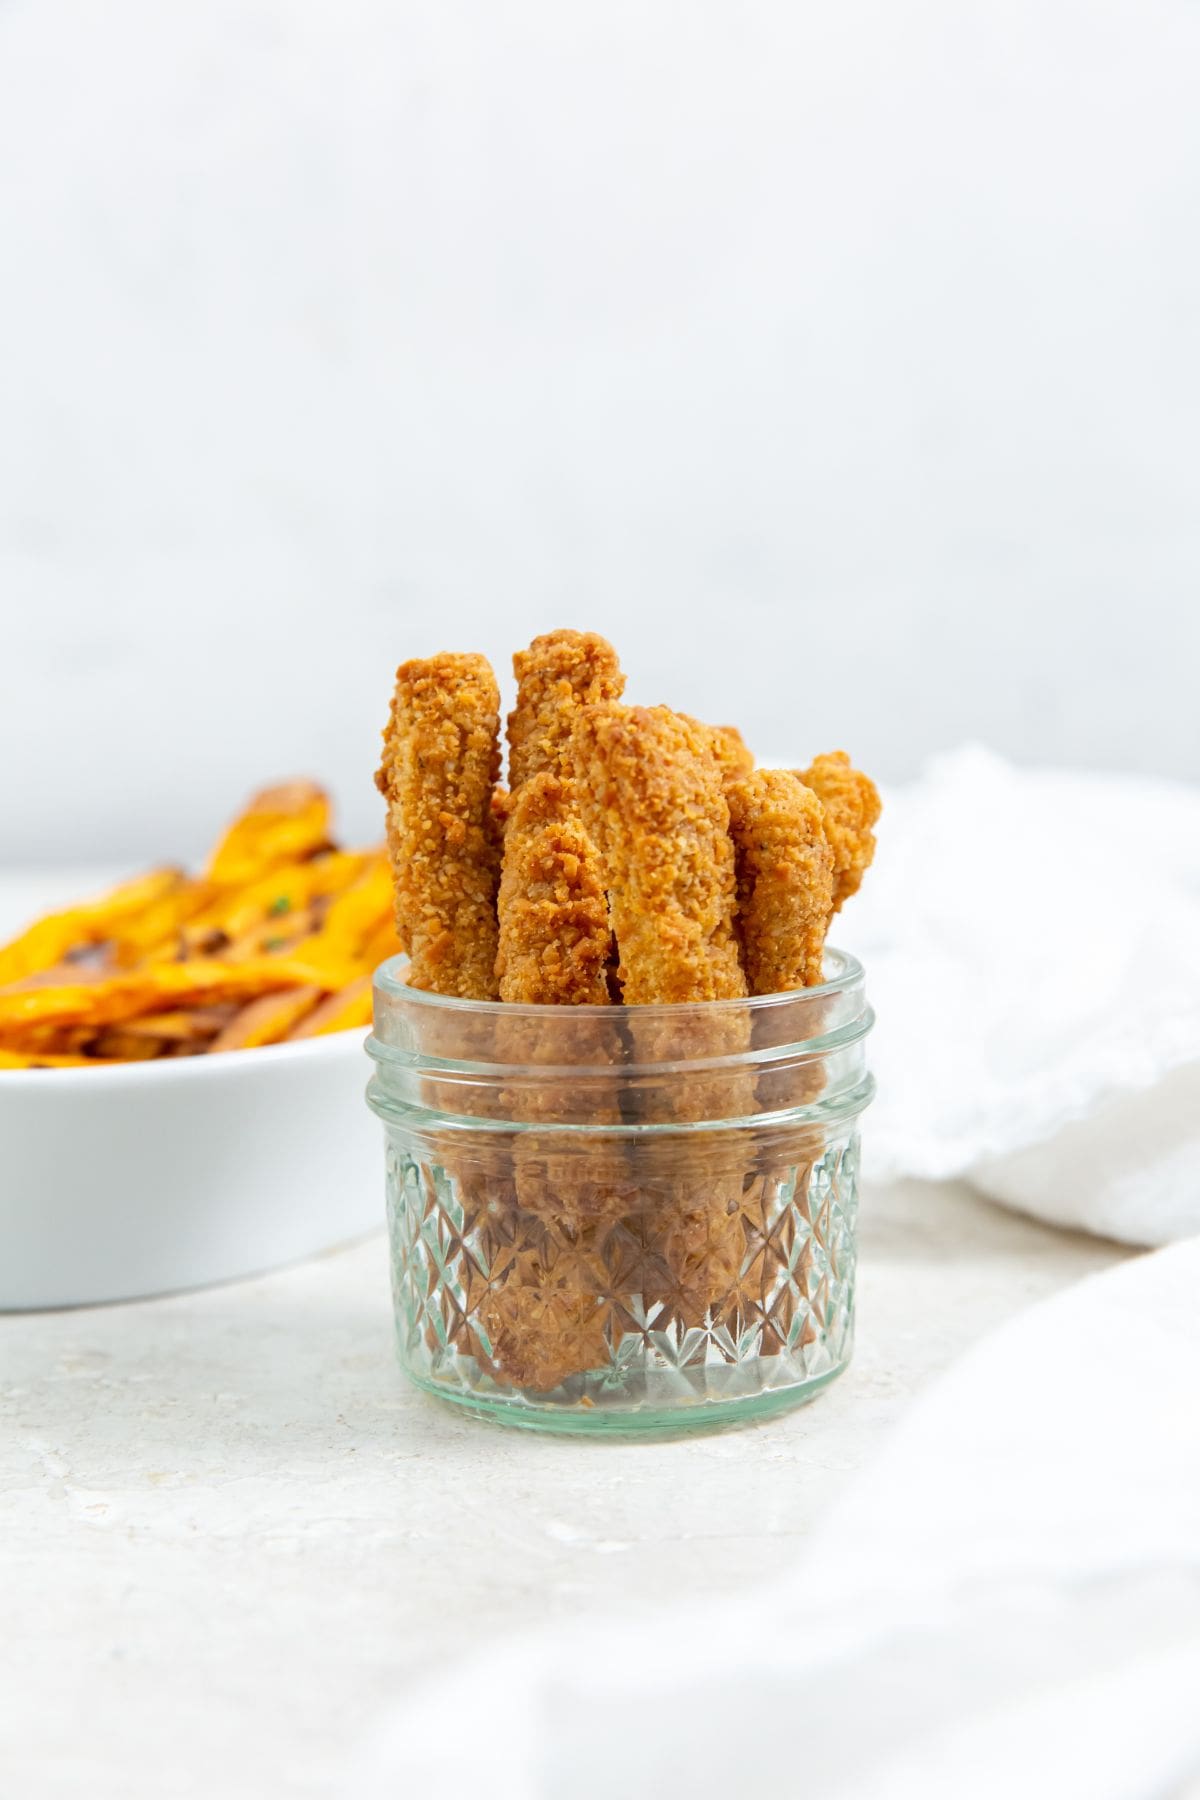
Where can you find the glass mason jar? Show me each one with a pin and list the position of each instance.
(612, 1218)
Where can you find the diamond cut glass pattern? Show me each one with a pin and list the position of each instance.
(784, 1320)
(619, 1222)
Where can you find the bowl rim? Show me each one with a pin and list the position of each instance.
(185, 1068)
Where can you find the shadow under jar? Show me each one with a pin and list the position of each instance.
(623, 1218)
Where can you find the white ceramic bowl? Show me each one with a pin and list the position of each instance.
(140, 1178)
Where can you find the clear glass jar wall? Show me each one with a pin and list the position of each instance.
(623, 1218)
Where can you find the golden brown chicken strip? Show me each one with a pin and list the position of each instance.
(656, 805)
(538, 1333)
(730, 748)
(554, 932)
(441, 757)
(785, 879)
(559, 672)
(852, 806)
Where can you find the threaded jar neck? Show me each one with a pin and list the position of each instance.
(783, 1059)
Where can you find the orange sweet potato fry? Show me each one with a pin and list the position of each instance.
(278, 895)
(382, 944)
(168, 966)
(349, 1007)
(267, 1020)
(193, 1025)
(41, 1059)
(49, 940)
(282, 824)
(271, 935)
(140, 991)
(355, 914)
(157, 934)
(116, 1044)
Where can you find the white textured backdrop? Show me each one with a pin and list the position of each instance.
(840, 361)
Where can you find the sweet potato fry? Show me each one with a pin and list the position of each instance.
(558, 672)
(48, 941)
(128, 996)
(157, 932)
(270, 936)
(195, 1025)
(169, 966)
(356, 913)
(41, 1059)
(54, 1040)
(382, 944)
(116, 1044)
(267, 1020)
(281, 825)
(349, 1007)
(276, 896)
(76, 970)
(441, 758)
(343, 946)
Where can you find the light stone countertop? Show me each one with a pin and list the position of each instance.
(230, 1534)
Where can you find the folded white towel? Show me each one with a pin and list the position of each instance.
(1006, 1601)
(1032, 945)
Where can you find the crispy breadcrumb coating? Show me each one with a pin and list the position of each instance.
(501, 808)
(852, 806)
(785, 879)
(441, 758)
(731, 749)
(655, 802)
(537, 1335)
(558, 672)
(718, 880)
(554, 931)
(654, 782)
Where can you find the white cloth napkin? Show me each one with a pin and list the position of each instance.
(1006, 1602)
(1032, 946)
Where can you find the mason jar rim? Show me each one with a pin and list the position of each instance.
(481, 1063)
(847, 972)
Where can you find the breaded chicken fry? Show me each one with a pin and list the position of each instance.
(441, 757)
(852, 806)
(501, 807)
(539, 1334)
(785, 879)
(558, 672)
(732, 751)
(554, 932)
(657, 807)
(654, 785)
